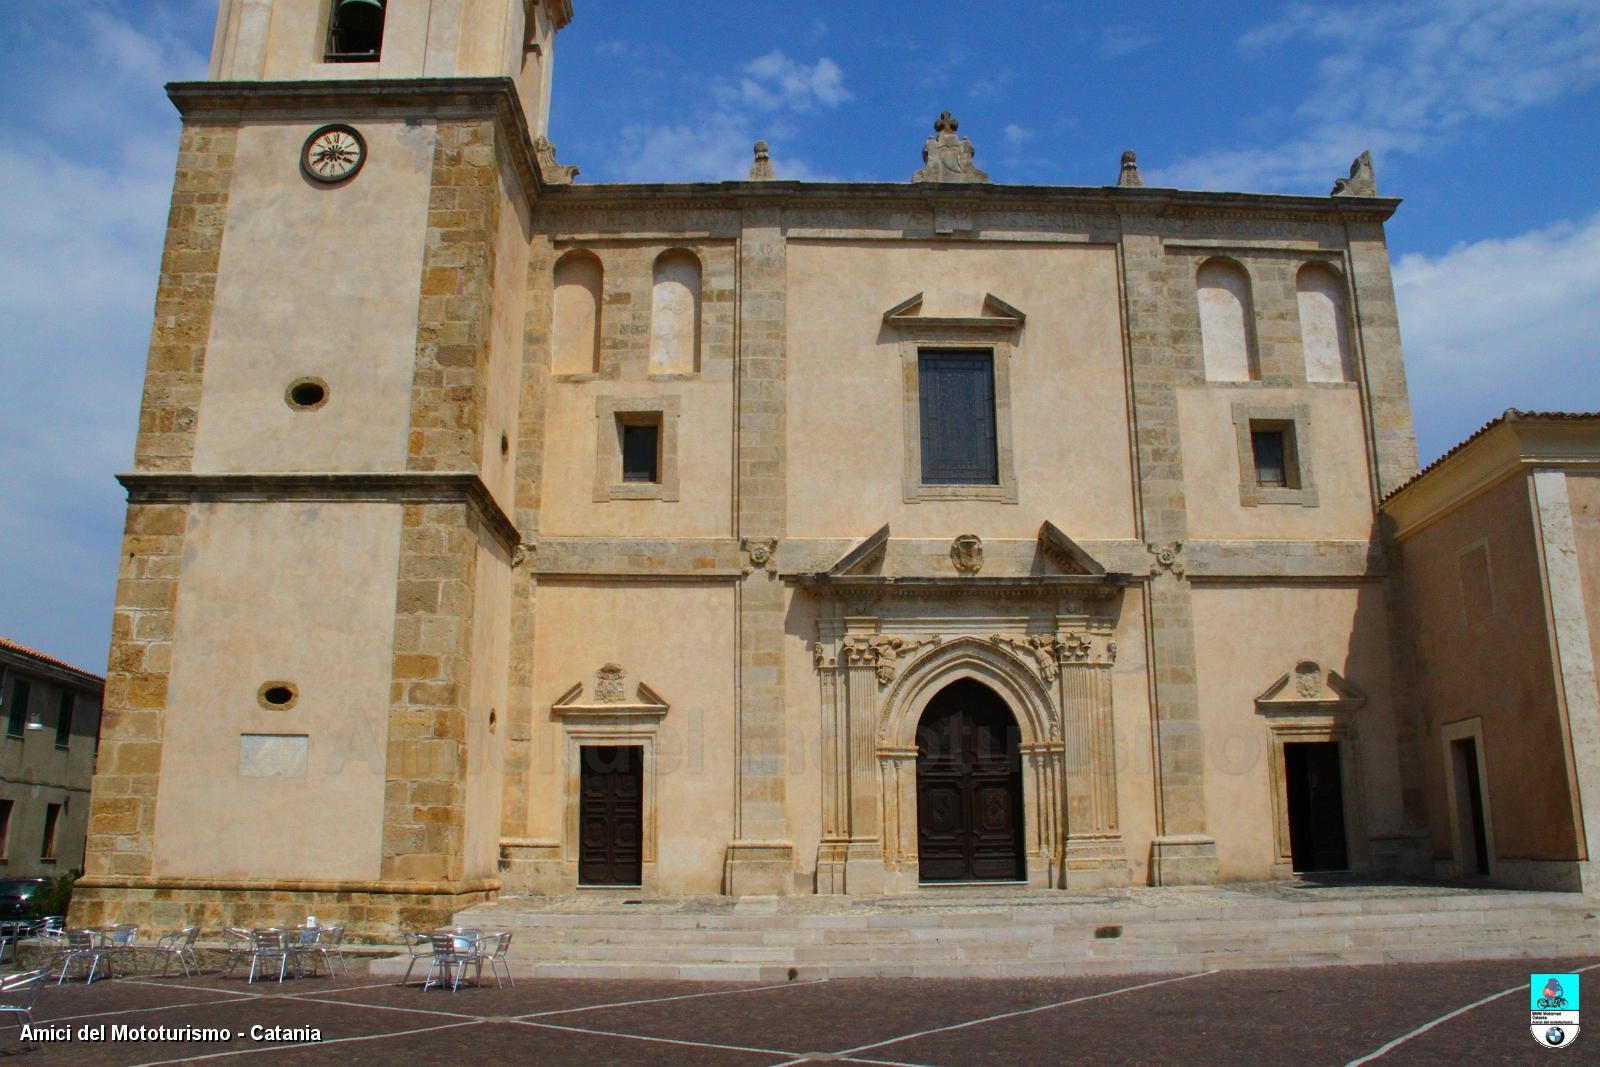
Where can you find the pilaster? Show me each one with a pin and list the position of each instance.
(1183, 851)
(760, 859)
(425, 811)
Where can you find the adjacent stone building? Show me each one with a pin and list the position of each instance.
(51, 712)
(1498, 573)
(490, 532)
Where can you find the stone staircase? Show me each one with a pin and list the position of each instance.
(1018, 932)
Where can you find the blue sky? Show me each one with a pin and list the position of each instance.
(1484, 116)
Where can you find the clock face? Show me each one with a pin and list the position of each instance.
(333, 154)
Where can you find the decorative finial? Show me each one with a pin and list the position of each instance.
(1361, 181)
(948, 156)
(551, 172)
(1130, 171)
(761, 169)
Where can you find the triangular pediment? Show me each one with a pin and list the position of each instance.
(1066, 554)
(864, 556)
(606, 696)
(992, 314)
(1308, 687)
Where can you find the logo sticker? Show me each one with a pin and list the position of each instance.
(1553, 1009)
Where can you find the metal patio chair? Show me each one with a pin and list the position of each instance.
(452, 955)
(495, 953)
(19, 993)
(119, 939)
(420, 948)
(178, 945)
(268, 945)
(330, 947)
(236, 944)
(84, 947)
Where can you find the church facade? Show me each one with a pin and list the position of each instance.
(490, 532)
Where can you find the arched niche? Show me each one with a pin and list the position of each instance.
(1324, 328)
(1227, 321)
(675, 313)
(575, 331)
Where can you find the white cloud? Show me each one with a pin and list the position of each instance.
(87, 149)
(1397, 78)
(766, 99)
(1119, 41)
(1506, 322)
(775, 82)
(1017, 136)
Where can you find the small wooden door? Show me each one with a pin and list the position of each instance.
(610, 815)
(969, 788)
(1316, 806)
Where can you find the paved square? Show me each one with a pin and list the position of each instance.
(1410, 1013)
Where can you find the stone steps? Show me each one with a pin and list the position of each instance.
(1043, 934)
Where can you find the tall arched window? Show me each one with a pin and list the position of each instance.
(675, 314)
(576, 328)
(1227, 322)
(1324, 330)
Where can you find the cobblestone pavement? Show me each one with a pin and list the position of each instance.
(1413, 1013)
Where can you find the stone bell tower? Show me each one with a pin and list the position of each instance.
(309, 654)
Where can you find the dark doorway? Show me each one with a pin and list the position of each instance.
(610, 815)
(969, 788)
(1316, 806)
(1474, 843)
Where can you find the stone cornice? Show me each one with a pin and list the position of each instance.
(290, 885)
(1041, 587)
(1146, 202)
(1515, 443)
(234, 101)
(400, 487)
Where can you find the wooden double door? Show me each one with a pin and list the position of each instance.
(969, 788)
(610, 814)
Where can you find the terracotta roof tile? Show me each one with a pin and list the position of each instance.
(1508, 415)
(12, 646)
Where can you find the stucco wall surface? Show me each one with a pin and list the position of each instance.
(294, 592)
(846, 431)
(1248, 636)
(679, 641)
(307, 286)
(1496, 666)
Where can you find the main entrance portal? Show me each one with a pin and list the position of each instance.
(969, 788)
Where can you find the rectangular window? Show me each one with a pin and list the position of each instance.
(64, 721)
(1268, 448)
(17, 713)
(641, 449)
(5, 828)
(52, 816)
(355, 31)
(956, 394)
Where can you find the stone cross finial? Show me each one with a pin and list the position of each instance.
(1361, 181)
(761, 169)
(1130, 171)
(948, 156)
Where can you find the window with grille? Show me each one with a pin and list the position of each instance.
(956, 394)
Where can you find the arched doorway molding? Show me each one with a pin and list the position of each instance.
(1038, 725)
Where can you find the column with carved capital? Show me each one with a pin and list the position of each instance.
(835, 779)
(1094, 854)
(864, 853)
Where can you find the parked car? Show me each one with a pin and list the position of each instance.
(16, 896)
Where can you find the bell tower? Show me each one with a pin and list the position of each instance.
(310, 639)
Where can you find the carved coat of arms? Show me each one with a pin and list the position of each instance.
(966, 552)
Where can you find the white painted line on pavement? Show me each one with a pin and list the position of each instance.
(1384, 1050)
(845, 1054)
(656, 1040)
(306, 1044)
(663, 1000)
